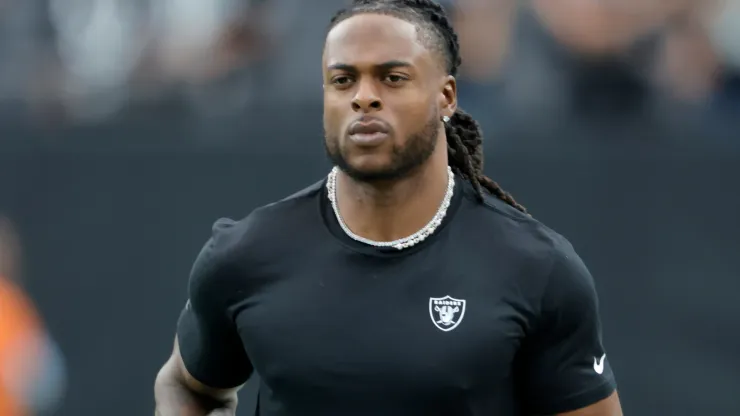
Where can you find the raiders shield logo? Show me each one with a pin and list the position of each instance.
(446, 312)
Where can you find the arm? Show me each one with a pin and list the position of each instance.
(177, 392)
(564, 362)
(607, 407)
(209, 363)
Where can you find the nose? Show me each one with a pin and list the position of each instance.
(366, 99)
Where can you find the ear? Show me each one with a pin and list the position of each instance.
(448, 96)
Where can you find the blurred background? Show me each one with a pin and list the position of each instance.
(128, 126)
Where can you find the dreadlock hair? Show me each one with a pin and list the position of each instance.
(464, 135)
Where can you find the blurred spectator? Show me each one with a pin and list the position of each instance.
(226, 78)
(293, 75)
(94, 60)
(20, 43)
(593, 27)
(31, 366)
(723, 21)
(99, 43)
(484, 29)
(688, 66)
(724, 30)
(594, 57)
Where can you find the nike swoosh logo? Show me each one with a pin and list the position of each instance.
(599, 364)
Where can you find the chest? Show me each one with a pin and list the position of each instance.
(412, 325)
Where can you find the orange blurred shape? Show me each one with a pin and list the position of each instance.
(20, 332)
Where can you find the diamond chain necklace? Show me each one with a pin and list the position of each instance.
(402, 243)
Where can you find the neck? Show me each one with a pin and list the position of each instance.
(396, 209)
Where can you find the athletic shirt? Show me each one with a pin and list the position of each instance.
(494, 314)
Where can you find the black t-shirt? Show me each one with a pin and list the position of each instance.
(494, 314)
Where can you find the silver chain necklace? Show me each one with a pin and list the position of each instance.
(400, 244)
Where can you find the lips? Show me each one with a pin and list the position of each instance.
(370, 127)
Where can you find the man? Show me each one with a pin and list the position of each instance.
(406, 283)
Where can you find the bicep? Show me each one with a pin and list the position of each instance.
(208, 341)
(210, 348)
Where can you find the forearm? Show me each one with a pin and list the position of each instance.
(174, 398)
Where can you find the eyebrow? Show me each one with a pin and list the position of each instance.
(384, 66)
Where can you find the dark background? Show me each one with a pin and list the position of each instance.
(113, 209)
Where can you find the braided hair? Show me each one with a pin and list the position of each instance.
(464, 136)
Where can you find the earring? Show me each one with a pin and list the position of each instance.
(446, 119)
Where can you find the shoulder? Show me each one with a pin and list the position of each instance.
(499, 224)
(229, 234)
(234, 241)
(301, 202)
(238, 251)
(545, 257)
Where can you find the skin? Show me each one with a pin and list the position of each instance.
(375, 66)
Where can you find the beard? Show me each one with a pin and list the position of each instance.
(405, 159)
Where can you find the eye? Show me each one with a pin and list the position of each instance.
(341, 80)
(395, 79)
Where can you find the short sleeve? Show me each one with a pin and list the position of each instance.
(209, 341)
(564, 362)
